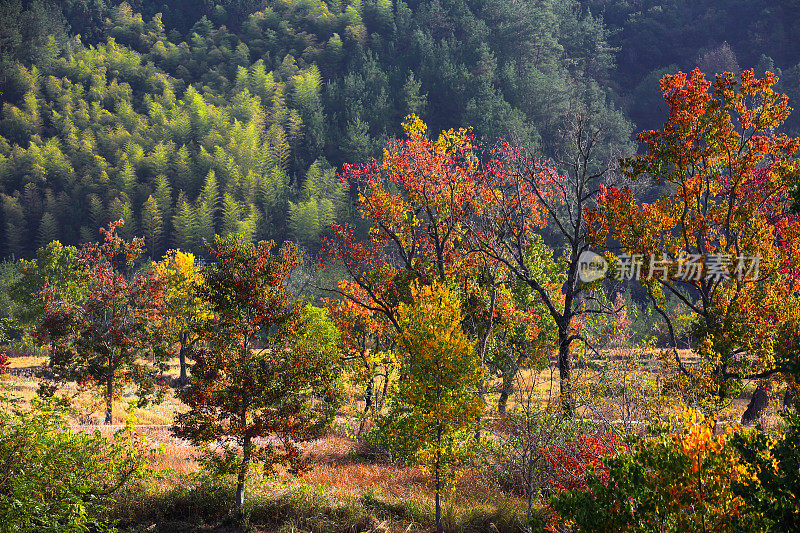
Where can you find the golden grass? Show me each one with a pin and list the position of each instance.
(337, 470)
(26, 361)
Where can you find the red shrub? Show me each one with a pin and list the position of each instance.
(570, 462)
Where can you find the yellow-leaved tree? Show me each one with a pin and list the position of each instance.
(437, 397)
(184, 308)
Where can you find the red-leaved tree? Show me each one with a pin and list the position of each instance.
(115, 335)
(264, 371)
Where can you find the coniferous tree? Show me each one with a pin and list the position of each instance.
(152, 226)
(183, 223)
(48, 230)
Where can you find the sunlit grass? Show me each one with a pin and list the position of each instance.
(343, 490)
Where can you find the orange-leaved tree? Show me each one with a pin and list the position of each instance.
(681, 478)
(721, 238)
(264, 366)
(416, 199)
(419, 200)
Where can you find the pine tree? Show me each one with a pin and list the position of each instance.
(152, 226)
(304, 221)
(97, 216)
(261, 82)
(184, 177)
(163, 196)
(415, 101)
(279, 147)
(273, 185)
(278, 111)
(120, 209)
(14, 225)
(184, 225)
(204, 222)
(231, 213)
(210, 193)
(48, 230)
(357, 143)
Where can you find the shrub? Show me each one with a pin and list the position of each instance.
(539, 450)
(776, 463)
(571, 462)
(671, 481)
(56, 480)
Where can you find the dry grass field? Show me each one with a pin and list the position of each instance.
(346, 488)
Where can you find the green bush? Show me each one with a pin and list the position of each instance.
(776, 463)
(56, 480)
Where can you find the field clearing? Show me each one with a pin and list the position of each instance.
(345, 482)
(542, 384)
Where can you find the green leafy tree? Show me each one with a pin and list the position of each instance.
(48, 229)
(184, 224)
(55, 266)
(441, 376)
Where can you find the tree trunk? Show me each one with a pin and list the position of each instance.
(758, 402)
(109, 396)
(439, 528)
(182, 358)
(565, 376)
(384, 391)
(505, 392)
(247, 449)
(484, 341)
(529, 489)
(788, 398)
(367, 405)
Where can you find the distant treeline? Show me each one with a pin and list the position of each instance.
(189, 119)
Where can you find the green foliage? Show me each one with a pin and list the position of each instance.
(435, 404)
(152, 226)
(53, 479)
(775, 461)
(147, 104)
(55, 266)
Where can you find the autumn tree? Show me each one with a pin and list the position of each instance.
(113, 334)
(367, 350)
(522, 195)
(184, 308)
(419, 200)
(722, 238)
(441, 377)
(264, 366)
